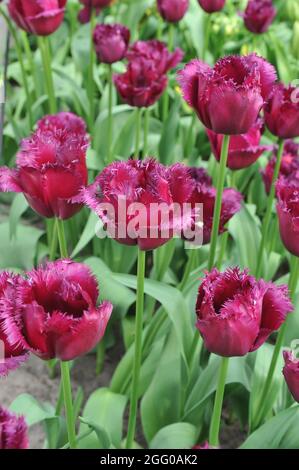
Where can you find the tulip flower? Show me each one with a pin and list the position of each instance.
(88, 5)
(211, 6)
(37, 17)
(172, 10)
(228, 97)
(244, 149)
(259, 15)
(157, 53)
(12, 353)
(204, 193)
(291, 373)
(289, 164)
(288, 212)
(111, 42)
(13, 431)
(282, 111)
(138, 186)
(236, 313)
(51, 167)
(58, 316)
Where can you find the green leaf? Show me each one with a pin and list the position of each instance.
(104, 441)
(18, 207)
(280, 432)
(87, 234)
(161, 403)
(32, 409)
(106, 409)
(19, 252)
(175, 436)
(169, 134)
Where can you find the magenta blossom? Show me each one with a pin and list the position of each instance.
(291, 373)
(172, 10)
(211, 6)
(244, 149)
(236, 313)
(133, 190)
(289, 167)
(63, 120)
(157, 53)
(12, 353)
(51, 167)
(37, 17)
(88, 5)
(228, 97)
(111, 42)
(288, 212)
(204, 193)
(282, 111)
(259, 15)
(13, 431)
(58, 316)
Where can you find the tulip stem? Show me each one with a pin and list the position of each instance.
(61, 238)
(207, 31)
(138, 133)
(30, 60)
(293, 281)
(138, 349)
(218, 203)
(110, 122)
(68, 402)
(22, 66)
(267, 219)
(90, 80)
(53, 242)
(44, 47)
(216, 416)
(171, 37)
(146, 129)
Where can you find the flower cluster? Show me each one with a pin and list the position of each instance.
(145, 78)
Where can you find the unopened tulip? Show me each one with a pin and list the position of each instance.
(58, 315)
(204, 193)
(291, 373)
(259, 15)
(289, 167)
(211, 6)
(172, 10)
(37, 17)
(89, 5)
(236, 313)
(13, 431)
(244, 149)
(51, 167)
(134, 189)
(12, 353)
(287, 191)
(111, 42)
(282, 111)
(228, 97)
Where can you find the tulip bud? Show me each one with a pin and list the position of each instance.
(259, 15)
(111, 42)
(36, 17)
(211, 6)
(172, 10)
(13, 431)
(291, 373)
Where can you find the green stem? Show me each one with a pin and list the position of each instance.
(68, 402)
(267, 218)
(43, 43)
(30, 60)
(53, 243)
(171, 37)
(146, 130)
(90, 82)
(206, 35)
(218, 203)
(61, 238)
(293, 280)
(110, 116)
(138, 349)
(138, 133)
(216, 416)
(22, 67)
